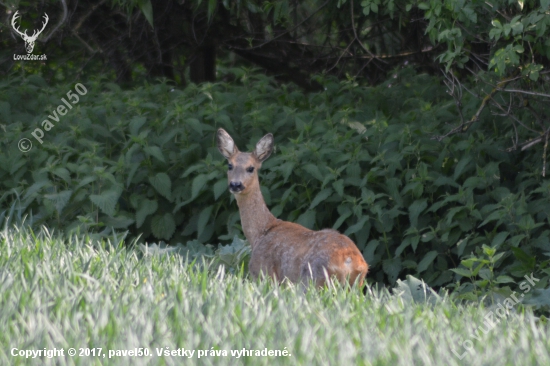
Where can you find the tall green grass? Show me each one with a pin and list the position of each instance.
(60, 293)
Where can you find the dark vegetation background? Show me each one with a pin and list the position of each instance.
(419, 129)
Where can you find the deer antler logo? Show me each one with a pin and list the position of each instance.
(29, 40)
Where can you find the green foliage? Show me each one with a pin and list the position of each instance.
(144, 6)
(508, 28)
(412, 290)
(504, 45)
(357, 159)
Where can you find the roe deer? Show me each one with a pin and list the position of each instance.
(283, 249)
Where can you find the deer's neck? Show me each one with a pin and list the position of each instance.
(255, 216)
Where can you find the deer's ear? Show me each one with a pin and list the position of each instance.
(226, 145)
(264, 147)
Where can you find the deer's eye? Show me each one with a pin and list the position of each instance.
(250, 169)
(229, 166)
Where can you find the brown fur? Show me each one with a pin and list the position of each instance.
(283, 249)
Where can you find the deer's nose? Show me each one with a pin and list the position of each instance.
(235, 187)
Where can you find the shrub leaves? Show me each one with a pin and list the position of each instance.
(163, 226)
(163, 185)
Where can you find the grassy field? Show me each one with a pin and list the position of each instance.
(64, 293)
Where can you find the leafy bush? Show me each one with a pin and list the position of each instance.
(358, 159)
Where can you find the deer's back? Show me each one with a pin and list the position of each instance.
(289, 250)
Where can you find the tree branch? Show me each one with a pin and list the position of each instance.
(526, 92)
(465, 125)
(357, 37)
(64, 4)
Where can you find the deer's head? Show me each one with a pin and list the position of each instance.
(29, 40)
(242, 169)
